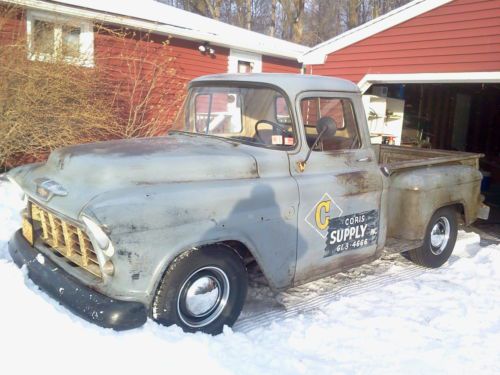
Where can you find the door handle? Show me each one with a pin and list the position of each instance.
(365, 159)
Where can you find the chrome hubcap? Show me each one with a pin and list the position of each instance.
(203, 296)
(440, 234)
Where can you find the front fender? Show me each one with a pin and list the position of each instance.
(151, 225)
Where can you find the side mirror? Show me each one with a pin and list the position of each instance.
(325, 127)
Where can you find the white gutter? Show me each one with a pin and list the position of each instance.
(155, 27)
(459, 77)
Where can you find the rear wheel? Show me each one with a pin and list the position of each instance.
(202, 290)
(439, 241)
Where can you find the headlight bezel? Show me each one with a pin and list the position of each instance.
(101, 238)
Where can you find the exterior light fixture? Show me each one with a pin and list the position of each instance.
(206, 49)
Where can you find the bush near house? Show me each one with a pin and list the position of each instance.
(49, 102)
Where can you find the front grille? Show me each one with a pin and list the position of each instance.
(65, 239)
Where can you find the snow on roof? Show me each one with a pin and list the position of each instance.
(167, 19)
(319, 53)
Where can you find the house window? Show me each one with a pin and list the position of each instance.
(244, 62)
(53, 37)
(244, 66)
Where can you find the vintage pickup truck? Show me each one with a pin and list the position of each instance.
(270, 171)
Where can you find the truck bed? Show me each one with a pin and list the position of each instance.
(422, 181)
(397, 158)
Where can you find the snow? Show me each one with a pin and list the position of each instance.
(386, 317)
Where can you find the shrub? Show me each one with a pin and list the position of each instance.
(132, 91)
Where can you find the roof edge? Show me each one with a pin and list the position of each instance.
(430, 77)
(151, 26)
(318, 54)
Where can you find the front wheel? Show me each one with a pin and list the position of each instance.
(439, 241)
(202, 290)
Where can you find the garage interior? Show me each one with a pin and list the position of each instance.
(454, 116)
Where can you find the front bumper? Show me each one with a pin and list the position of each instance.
(78, 298)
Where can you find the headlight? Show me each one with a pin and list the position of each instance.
(100, 237)
(108, 268)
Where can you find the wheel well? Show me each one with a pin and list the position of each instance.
(459, 207)
(241, 249)
(253, 267)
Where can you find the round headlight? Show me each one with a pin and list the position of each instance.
(108, 268)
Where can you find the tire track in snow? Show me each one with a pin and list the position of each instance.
(379, 274)
(342, 289)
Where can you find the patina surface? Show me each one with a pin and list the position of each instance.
(158, 198)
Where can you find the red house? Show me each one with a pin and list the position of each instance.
(196, 45)
(440, 59)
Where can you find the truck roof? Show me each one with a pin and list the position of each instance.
(290, 83)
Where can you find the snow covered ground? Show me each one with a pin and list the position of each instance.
(384, 318)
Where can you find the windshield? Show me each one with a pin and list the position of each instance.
(251, 115)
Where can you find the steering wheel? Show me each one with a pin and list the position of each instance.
(274, 126)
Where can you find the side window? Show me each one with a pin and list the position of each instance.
(342, 113)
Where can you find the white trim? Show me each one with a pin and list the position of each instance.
(462, 77)
(86, 42)
(236, 55)
(319, 53)
(167, 20)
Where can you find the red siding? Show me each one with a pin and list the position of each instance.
(127, 61)
(12, 25)
(461, 36)
(191, 63)
(277, 65)
(126, 66)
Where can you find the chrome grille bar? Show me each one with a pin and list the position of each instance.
(66, 239)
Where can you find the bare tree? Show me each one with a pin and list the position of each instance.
(272, 27)
(303, 21)
(353, 9)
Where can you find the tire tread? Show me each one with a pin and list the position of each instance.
(420, 256)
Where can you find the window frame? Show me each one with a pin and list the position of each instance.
(86, 42)
(329, 95)
(276, 110)
(235, 56)
(248, 85)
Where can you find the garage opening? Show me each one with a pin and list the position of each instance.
(461, 116)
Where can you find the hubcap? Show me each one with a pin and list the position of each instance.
(203, 296)
(440, 234)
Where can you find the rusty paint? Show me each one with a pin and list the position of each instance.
(356, 182)
(163, 197)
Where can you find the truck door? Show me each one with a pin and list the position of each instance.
(340, 189)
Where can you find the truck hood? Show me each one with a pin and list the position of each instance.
(88, 170)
